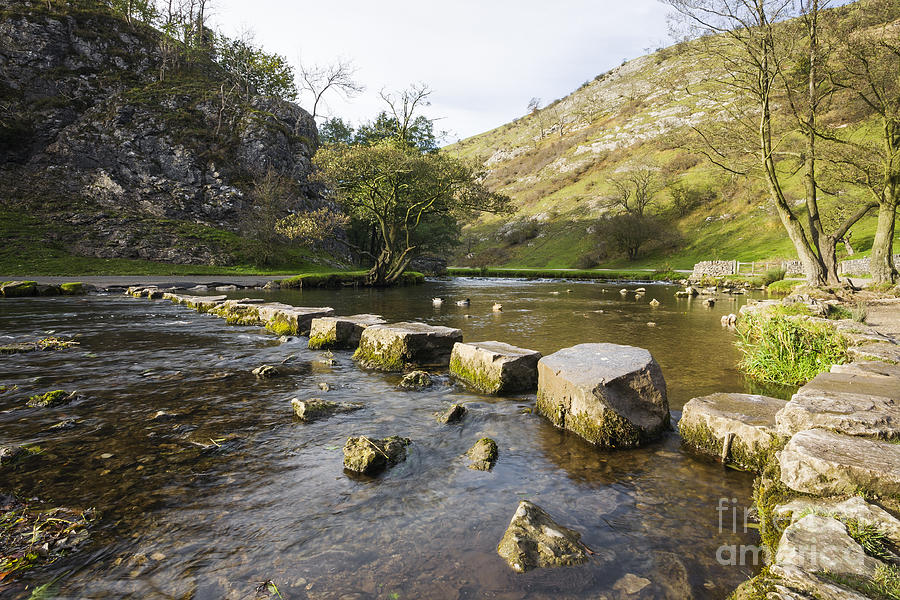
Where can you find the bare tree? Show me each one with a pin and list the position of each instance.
(338, 77)
(404, 104)
(635, 189)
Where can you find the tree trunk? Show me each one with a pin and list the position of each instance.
(828, 253)
(881, 265)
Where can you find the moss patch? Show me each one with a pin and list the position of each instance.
(51, 399)
(322, 342)
(281, 325)
(702, 438)
(474, 377)
(391, 357)
(75, 288)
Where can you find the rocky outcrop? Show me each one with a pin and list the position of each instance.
(483, 454)
(495, 367)
(613, 396)
(150, 167)
(825, 463)
(340, 332)
(738, 428)
(372, 456)
(403, 345)
(534, 540)
(847, 402)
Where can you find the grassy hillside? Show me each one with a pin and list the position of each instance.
(556, 164)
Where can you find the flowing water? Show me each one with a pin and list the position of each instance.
(232, 492)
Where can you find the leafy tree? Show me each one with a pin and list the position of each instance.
(419, 134)
(629, 232)
(635, 189)
(254, 70)
(398, 190)
(335, 131)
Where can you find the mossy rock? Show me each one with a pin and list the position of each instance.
(75, 288)
(316, 408)
(18, 289)
(322, 342)
(371, 456)
(416, 380)
(483, 454)
(281, 326)
(454, 414)
(51, 399)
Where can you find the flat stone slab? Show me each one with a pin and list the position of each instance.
(854, 507)
(613, 396)
(824, 463)
(846, 402)
(738, 428)
(534, 540)
(798, 584)
(818, 543)
(495, 367)
(400, 346)
(340, 332)
(870, 368)
(199, 303)
(285, 319)
(883, 351)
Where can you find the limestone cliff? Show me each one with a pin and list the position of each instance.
(118, 154)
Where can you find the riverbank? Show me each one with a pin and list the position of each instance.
(596, 274)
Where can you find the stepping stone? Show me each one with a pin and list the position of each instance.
(824, 463)
(613, 396)
(284, 319)
(534, 540)
(199, 303)
(400, 346)
(495, 367)
(872, 368)
(844, 402)
(797, 584)
(883, 351)
(817, 543)
(738, 428)
(853, 507)
(340, 332)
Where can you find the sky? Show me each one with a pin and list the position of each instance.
(483, 59)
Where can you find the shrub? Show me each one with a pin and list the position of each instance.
(587, 261)
(773, 275)
(786, 349)
(785, 286)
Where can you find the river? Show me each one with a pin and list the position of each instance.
(232, 491)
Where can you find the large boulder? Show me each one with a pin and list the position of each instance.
(495, 367)
(534, 540)
(406, 345)
(371, 456)
(18, 289)
(845, 402)
(613, 396)
(824, 463)
(340, 332)
(738, 428)
(819, 543)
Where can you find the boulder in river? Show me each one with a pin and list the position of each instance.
(51, 399)
(495, 367)
(415, 380)
(401, 345)
(613, 396)
(534, 540)
(18, 289)
(340, 332)
(316, 408)
(371, 456)
(284, 319)
(10, 454)
(483, 454)
(825, 463)
(850, 403)
(738, 428)
(266, 371)
(454, 414)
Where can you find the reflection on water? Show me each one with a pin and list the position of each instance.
(228, 491)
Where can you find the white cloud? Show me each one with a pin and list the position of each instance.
(483, 59)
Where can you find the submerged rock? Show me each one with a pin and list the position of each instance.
(483, 454)
(824, 463)
(416, 380)
(495, 367)
(846, 402)
(372, 456)
(738, 428)
(316, 408)
(266, 372)
(51, 399)
(454, 414)
(403, 345)
(534, 540)
(613, 396)
(340, 332)
(10, 454)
